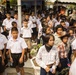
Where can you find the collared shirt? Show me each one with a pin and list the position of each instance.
(10, 35)
(8, 23)
(26, 32)
(62, 50)
(39, 26)
(3, 41)
(45, 58)
(16, 46)
(16, 20)
(29, 24)
(33, 19)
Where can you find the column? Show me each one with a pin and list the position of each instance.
(19, 12)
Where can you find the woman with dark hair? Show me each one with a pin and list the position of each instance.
(47, 57)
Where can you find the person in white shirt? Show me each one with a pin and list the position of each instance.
(39, 26)
(29, 21)
(47, 57)
(17, 48)
(73, 65)
(73, 68)
(34, 25)
(16, 18)
(3, 42)
(58, 21)
(7, 22)
(14, 24)
(27, 35)
(73, 45)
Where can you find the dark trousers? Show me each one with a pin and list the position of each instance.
(43, 72)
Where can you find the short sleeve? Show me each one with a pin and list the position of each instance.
(21, 31)
(4, 23)
(5, 40)
(23, 44)
(8, 45)
(31, 30)
(73, 45)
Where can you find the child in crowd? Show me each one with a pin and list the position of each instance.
(50, 24)
(46, 31)
(48, 65)
(71, 35)
(27, 34)
(63, 53)
(17, 48)
(7, 23)
(16, 18)
(34, 25)
(70, 40)
(3, 42)
(14, 24)
(59, 32)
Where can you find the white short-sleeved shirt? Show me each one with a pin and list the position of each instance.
(39, 26)
(16, 20)
(26, 32)
(33, 19)
(3, 41)
(7, 23)
(29, 24)
(73, 45)
(10, 35)
(16, 46)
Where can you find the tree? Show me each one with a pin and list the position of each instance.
(13, 2)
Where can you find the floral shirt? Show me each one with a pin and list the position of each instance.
(62, 50)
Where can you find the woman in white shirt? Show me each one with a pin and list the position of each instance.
(47, 57)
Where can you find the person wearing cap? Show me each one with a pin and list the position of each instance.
(63, 49)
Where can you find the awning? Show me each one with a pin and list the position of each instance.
(69, 1)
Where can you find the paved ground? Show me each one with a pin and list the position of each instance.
(27, 68)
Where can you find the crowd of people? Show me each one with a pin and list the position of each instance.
(55, 31)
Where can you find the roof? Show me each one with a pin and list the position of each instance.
(69, 1)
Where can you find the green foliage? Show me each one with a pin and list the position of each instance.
(64, 72)
(35, 49)
(13, 2)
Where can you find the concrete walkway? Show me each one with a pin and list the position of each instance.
(27, 68)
